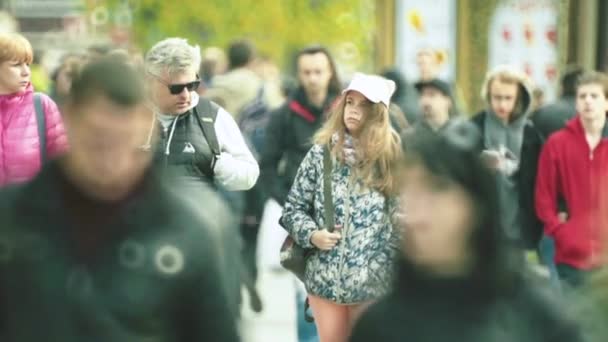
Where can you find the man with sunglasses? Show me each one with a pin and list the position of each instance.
(199, 142)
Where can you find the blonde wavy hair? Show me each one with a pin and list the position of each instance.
(377, 147)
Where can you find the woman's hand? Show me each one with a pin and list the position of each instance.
(324, 240)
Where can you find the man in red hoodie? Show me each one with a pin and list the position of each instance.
(573, 168)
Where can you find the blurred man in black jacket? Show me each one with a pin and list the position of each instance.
(98, 247)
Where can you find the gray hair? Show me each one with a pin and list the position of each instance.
(173, 55)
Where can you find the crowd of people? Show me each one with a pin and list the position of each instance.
(132, 195)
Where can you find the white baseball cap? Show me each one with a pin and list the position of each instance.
(374, 88)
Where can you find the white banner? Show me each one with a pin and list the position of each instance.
(424, 24)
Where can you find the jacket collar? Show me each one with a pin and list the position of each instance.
(44, 197)
(575, 126)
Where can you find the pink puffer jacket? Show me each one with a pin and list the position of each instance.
(19, 142)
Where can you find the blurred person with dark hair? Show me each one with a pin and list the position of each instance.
(511, 147)
(121, 55)
(98, 50)
(293, 125)
(31, 128)
(132, 57)
(397, 118)
(349, 266)
(553, 117)
(437, 105)
(213, 63)
(62, 77)
(241, 85)
(99, 247)
(403, 97)
(457, 279)
(572, 173)
(240, 54)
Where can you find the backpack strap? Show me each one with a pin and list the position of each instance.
(41, 121)
(206, 114)
(327, 193)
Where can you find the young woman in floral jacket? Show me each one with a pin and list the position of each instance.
(352, 266)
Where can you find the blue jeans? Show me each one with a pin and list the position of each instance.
(307, 331)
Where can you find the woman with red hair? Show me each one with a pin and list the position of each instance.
(22, 149)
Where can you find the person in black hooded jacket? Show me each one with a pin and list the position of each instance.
(457, 279)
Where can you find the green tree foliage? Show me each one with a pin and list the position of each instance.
(277, 27)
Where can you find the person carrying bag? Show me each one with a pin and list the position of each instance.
(293, 257)
(341, 239)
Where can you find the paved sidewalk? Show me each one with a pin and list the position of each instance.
(277, 323)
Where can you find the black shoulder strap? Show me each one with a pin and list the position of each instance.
(41, 120)
(329, 201)
(206, 114)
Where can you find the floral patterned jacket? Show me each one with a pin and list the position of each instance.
(360, 267)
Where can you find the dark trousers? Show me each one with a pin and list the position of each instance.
(251, 217)
(546, 252)
(572, 277)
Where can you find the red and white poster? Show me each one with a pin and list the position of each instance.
(524, 33)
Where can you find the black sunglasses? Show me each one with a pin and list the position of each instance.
(175, 89)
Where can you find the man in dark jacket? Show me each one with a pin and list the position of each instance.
(292, 126)
(99, 247)
(436, 104)
(511, 146)
(553, 117)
